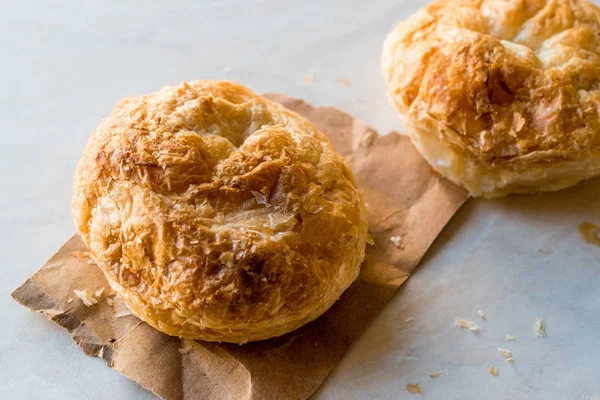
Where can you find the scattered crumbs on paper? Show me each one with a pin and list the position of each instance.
(510, 338)
(414, 388)
(83, 256)
(397, 240)
(110, 301)
(545, 251)
(226, 68)
(98, 293)
(86, 296)
(463, 323)
(589, 233)
(506, 354)
(408, 319)
(435, 374)
(481, 315)
(367, 139)
(308, 79)
(492, 370)
(540, 327)
(69, 301)
(344, 81)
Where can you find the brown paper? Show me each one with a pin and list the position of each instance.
(405, 200)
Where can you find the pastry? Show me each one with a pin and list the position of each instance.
(217, 214)
(500, 96)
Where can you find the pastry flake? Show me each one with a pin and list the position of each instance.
(86, 296)
(414, 388)
(463, 323)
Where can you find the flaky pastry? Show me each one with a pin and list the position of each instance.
(501, 96)
(217, 214)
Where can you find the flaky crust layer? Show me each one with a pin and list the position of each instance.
(217, 214)
(501, 96)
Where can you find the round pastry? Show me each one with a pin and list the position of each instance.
(217, 214)
(501, 96)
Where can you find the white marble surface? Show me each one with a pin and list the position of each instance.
(65, 63)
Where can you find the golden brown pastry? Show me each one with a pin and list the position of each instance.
(217, 214)
(500, 96)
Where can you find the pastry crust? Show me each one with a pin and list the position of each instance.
(217, 214)
(500, 96)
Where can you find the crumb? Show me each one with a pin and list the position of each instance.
(83, 256)
(344, 81)
(98, 293)
(540, 327)
(226, 68)
(492, 370)
(545, 251)
(123, 313)
(397, 240)
(120, 308)
(367, 139)
(435, 374)
(408, 319)
(69, 301)
(461, 323)
(110, 301)
(187, 346)
(589, 233)
(308, 79)
(414, 388)
(194, 241)
(86, 296)
(481, 314)
(506, 354)
(112, 340)
(510, 338)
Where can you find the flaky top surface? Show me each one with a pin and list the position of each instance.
(218, 214)
(503, 81)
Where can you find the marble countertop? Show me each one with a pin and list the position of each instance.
(66, 63)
